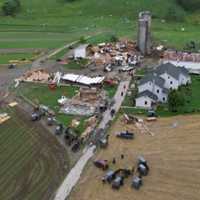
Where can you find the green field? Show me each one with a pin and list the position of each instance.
(32, 161)
(52, 23)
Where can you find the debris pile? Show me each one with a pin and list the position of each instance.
(36, 76)
(90, 95)
(116, 54)
(91, 124)
(181, 56)
(76, 107)
(81, 79)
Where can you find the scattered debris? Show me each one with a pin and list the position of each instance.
(75, 123)
(39, 75)
(13, 104)
(4, 117)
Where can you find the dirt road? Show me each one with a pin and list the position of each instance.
(173, 155)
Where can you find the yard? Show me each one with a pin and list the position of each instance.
(41, 94)
(33, 164)
(192, 103)
(172, 154)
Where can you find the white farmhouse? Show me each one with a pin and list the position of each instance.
(155, 86)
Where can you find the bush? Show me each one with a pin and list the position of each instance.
(114, 38)
(11, 7)
(190, 5)
(175, 14)
(82, 40)
(176, 100)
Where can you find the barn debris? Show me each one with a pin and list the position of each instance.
(82, 79)
(39, 75)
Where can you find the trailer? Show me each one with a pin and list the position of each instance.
(125, 135)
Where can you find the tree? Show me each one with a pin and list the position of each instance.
(11, 7)
(190, 5)
(175, 100)
(174, 14)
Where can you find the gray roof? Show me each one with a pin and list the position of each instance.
(148, 94)
(154, 79)
(171, 70)
(165, 90)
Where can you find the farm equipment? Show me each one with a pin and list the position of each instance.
(102, 164)
(125, 135)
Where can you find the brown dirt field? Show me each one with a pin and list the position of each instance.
(174, 159)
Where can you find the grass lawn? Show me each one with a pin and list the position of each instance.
(110, 89)
(5, 58)
(76, 65)
(41, 94)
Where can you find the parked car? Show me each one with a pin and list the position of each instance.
(112, 112)
(35, 116)
(102, 164)
(59, 129)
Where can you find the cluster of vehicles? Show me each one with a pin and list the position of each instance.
(116, 177)
(70, 137)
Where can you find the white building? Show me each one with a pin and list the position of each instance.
(159, 82)
(81, 51)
